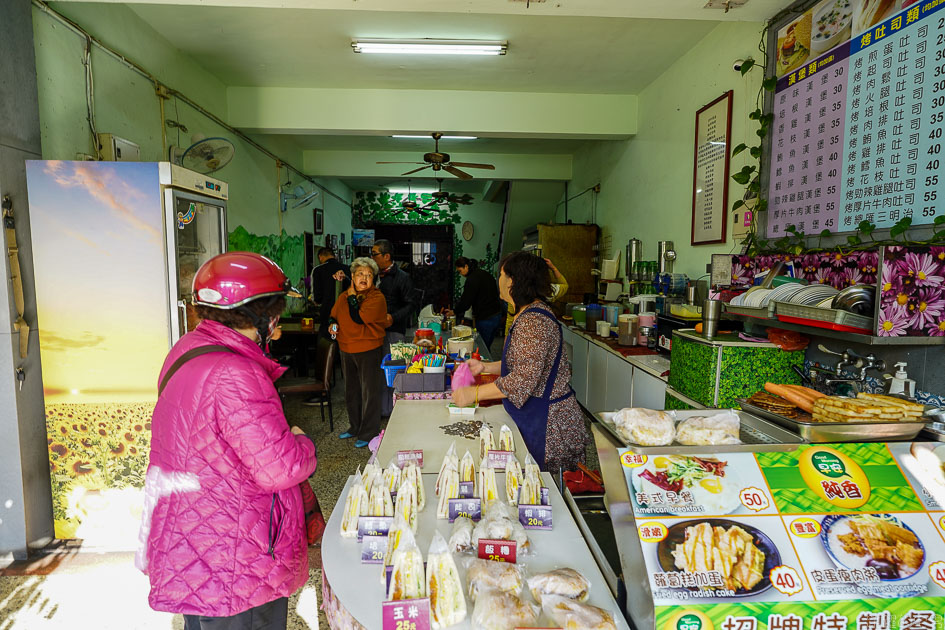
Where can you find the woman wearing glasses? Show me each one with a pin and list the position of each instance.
(359, 320)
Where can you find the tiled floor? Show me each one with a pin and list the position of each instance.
(69, 589)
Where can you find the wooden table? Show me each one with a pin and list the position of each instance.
(299, 343)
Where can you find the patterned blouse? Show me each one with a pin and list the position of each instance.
(530, 354)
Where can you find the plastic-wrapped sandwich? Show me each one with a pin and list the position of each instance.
(356, 505)
(513, 480)
(392, 476)
(530, 493)
(411, 473)
(447, 602)
(498, 610)
(486, 441)
(380, 503)
(449, 481)
(407, 580)
(467, 471)
(488, 491)
(506, 443)
(570, 614)
(646, 427)
(371, 474)
(449, 458)
(721, 428)
(394, 536)
(531, 466)
(405, 509)
(565, 582)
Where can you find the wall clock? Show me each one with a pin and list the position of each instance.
(468, 230)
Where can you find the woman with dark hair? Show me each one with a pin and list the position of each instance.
(223, 531)
(535, 375)
(479, 293)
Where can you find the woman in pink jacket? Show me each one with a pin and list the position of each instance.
(224, 532)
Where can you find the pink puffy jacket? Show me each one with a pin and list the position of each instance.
(226, 530)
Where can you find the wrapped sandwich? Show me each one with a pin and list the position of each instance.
(721, 428)
(392, 476)
(405, 509)
(498, 610)
(447, 602)
(506, 443)
(461, 534)
(486, 441)
(380, 503)
(531, 466)
(449, 481)
(530, 493)
(394, 536)
(646, 427)
(449, 458)
(411, 473)
(407, 579)
(488, 491)
(484, 575)
(467, 471)
(369, 475)
(565, 582)
(570, 614)
(513, 480)
(356, 505)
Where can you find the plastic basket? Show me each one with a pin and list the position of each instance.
(762, 312)
(390, 371)
(823, 317)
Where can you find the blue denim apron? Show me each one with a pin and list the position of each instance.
(532, 418)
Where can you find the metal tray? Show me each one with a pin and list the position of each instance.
(826, 432)
(757, 436)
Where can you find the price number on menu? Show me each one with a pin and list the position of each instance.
(535, 516)
(373, 549)
(406, 614)
(415, 456)
(470, 508)
(786, 580)
(754, 499)
(937, 573)
(498, 550)
(373, 526)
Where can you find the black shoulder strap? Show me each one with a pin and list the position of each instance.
(187, 356)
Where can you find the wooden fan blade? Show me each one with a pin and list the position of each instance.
(449, 168)
(400, 162)
(422, 168)
(473, 165)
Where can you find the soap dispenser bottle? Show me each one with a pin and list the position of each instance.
(900, 384)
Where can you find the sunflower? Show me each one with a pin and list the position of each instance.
(62, 429)
(80, 466)
(129, 436)
(59, 449)
(117, 451)
(133, 450)
(147, 426)
(103, 432)
(87, 442)
(138, 428)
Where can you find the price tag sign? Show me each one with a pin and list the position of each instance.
(471, 508)
(499, 459)
(373, 549)
(753, 499)
(415, 456)
(406, 614)
(373, 526)
(535, 516)
(466, 489)
(786, 580)
(498, 550)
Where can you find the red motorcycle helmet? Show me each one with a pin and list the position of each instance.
(230, 280)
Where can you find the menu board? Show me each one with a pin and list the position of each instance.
(857, 130)
(826, 537)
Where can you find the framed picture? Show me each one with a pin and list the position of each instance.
(342, 239)
(713, 145)
(333, 241)
(319, 221)
(347, 252)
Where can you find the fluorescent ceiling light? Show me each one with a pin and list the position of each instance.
(430, 46)
(427, 137)
(412, 191)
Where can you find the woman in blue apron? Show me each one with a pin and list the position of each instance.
(535, 373)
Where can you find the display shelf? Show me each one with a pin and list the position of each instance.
(869, 340)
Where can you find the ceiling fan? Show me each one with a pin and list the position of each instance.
(409, 205)
(441, 161)
(441, 197)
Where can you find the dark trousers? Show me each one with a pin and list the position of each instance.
(488, 327)
(364, 387)
(269, 616)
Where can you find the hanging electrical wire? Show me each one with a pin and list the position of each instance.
(90, 96)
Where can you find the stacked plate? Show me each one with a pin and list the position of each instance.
(754, 297)
(813, 295)
(785, 292)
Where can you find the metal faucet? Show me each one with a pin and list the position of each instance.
(849, 358)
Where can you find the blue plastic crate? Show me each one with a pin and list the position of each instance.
(390, 371)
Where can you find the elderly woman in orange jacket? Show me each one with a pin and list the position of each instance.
(359, 321)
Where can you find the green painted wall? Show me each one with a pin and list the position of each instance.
(126, 105)
(646, 182)
(530, 202)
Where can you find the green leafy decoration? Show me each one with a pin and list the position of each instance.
(747, 65)
(739, 148)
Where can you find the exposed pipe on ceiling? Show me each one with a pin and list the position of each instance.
(158, 84)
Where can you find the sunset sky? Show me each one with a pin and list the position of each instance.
(101, 292)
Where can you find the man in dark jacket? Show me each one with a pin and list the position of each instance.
(324, 286)
(397, 287)
(482, 294)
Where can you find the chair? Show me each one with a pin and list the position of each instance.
(319, 388)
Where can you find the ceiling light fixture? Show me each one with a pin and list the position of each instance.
(412, 191)
(430, 46)
(427, 137)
